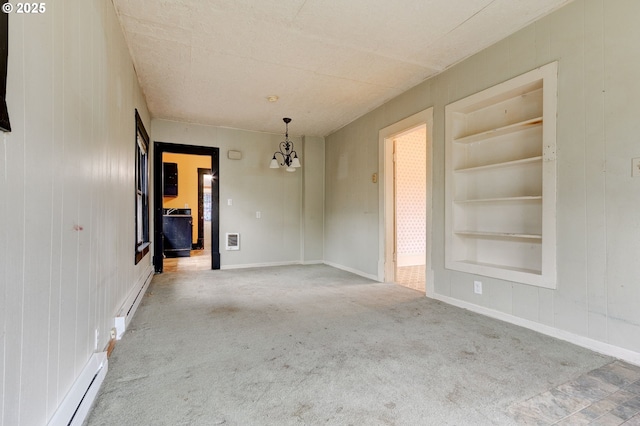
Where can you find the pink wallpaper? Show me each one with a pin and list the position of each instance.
(411, 192)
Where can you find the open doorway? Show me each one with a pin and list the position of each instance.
(186, 188)
(183, 205)
(405, 202)
(410, 207)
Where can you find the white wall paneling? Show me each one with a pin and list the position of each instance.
(66, 181)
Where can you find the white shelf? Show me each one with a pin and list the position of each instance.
(500, 200)
(500, 165)
(500, 131)
(504, 267)
(505, 235)
(500, 180)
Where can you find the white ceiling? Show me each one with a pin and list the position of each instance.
(216, 61)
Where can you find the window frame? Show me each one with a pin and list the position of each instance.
(141, 183)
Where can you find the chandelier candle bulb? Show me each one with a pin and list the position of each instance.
(289, 155)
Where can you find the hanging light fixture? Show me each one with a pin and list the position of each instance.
(289, 156)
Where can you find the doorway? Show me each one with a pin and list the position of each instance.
(195, 236)
(410, 202)
(405, 202)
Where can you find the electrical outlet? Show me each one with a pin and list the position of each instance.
(97, 340)
(477, 287)
(635, 167)
(258, 215)
(113, 333)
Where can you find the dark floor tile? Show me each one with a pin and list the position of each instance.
(627, 409)
(620, 397)
(550, 406)
(634, 387)
(634, 421)
(617, 373)
(608, 420)
(588, 387)
(598, 409)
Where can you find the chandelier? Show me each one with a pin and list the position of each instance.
(289, 156)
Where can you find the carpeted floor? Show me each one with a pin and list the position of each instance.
(317, 345)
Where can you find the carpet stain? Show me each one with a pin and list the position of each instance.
(132, 378)
(302, 408)
(223, 310)
(390, 405)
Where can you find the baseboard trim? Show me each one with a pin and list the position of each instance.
(77, 404)
(260, 265)
(130, 305)
(585, 342)
(352, 270)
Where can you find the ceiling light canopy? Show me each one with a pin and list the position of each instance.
(289, 155)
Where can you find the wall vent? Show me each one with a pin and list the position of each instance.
(233, 241)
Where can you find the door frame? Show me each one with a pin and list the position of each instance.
(159, 148)
(386, 261)
(201, 173)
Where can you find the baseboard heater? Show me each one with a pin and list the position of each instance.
(77, 404)
(130, 305)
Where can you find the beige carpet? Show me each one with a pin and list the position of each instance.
(316, 345)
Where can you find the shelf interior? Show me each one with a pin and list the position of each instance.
(501, 199)
(505, 267)
(499, 235)
(537, 158)
(500, 131)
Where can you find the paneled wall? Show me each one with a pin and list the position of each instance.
(67, 212)
(278, 235)
(598, 293)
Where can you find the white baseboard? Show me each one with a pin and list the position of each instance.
(260, 265)
(130, 305)
(588, 343)
(353, 271)
(76, 405)
(313, 262)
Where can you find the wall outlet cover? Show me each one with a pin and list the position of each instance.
(635, 167)
(477, 287)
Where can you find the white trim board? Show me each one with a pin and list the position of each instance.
(353, 271)
(585, 342)
(130, 305)
(386, 262)
(76, 405)
(260, 265)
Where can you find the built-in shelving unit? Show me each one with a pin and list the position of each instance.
(500, 180)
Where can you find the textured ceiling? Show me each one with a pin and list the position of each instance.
(329, 61)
